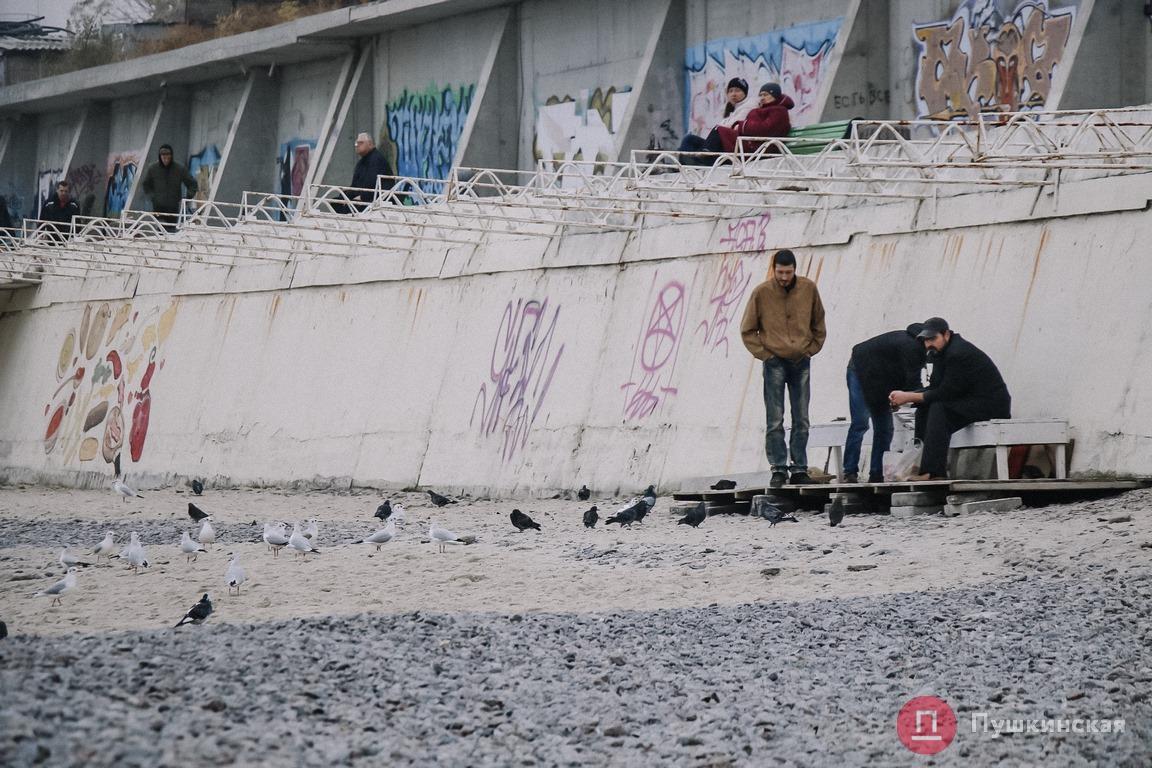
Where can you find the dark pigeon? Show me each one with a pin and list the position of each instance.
(836, 512)
(196, 513)
(116, 464)
(197, 486)
(590, 517)
(649, 497)
(632, 514)
(583, 494)
(439, 500)
(774, 514)
(198, 613)
(522, 521)
(723, 485)
(3, 630)
(695, 516)
(384, 511)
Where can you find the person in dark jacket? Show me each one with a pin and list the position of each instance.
(878, 366)
(167, 182)
(769, 120)
(60, 209)
(965, 387)
(370, 165)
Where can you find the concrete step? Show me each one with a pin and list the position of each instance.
(913, 511)
(917, 499)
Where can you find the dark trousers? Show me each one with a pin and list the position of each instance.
(694, 143)
(882, 429)
(935, 423)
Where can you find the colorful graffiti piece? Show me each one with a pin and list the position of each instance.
(104, 375)
(984, 61)
(726, 296)
(294, 160)
(525, 355)
(650, 381)
(795, 57)
(584, 128)
(87, 183)
(122, 168)
(424, 130)
(203, 166)
(46, 185)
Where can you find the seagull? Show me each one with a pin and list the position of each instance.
(836, 512)
(189, 547)
(583, 494)
(207, 533)
(398, 514)
(235, 575)
(382, 536)
(137, 557)
(196, 513)
(197, 486)
(442, 536)
(311, 530)
(133, 543)
(275, 537)
(590, 517)
(695, 516)
(68, 560)
(522, 521)
(300, 543)
(62, 587)
(105, 547)
(384, 510)
(439, 500)
(198, 613)
(120, 487)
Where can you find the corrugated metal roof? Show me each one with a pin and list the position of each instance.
(33, 44)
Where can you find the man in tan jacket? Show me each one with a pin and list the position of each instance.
(783, 326)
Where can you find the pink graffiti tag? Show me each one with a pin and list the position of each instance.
(656, 351)
(732, 279)
(520, 374)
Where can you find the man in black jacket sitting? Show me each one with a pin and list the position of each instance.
(370, 165)
(965, 387)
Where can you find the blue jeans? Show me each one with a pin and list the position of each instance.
(779, 373)
(881, 431)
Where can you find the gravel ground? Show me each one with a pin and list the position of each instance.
(775, 683)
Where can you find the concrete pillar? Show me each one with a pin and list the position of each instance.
(250, 153)
(85, 169)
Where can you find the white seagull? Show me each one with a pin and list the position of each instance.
(382, 536)
(133, 543)
(299, 544)
(105, 547)
(442, 536)
(398, 514)
(207, 533)
(68, 560)
(122, 488)
(275, 537)
(62, 587)
(235, 575)
(189, 547)
(311, 530)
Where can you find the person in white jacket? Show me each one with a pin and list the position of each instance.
(736, 108)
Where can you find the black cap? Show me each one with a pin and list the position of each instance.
(914, 329)
(933, 327)
(738, 82)
(772, 88)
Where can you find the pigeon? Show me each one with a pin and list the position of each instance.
(122, 488)
(382, 536)
(836, 512)
(439, 500)
(695, 516)
(189, 547)
(629, 514)
(442, 536)
(196, 513)
(3, 630)
(384, 511)
(774, 514)
(650, 497)
(116, 465)
(583, 494)
(197, 613)
(590, 517)
(105, 547)
(300, 544)
(275, 537)
(197, 486)
(235, 575)
(723, 485)
(68, 560)
(522, 521)
(207, 533)
(62, 587)
(311, 531)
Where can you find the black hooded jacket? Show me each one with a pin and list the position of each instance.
(885, 363)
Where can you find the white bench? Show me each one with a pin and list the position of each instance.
(999, 433)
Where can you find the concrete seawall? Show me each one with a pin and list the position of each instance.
(532, 364)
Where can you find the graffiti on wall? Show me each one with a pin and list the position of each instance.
(46, 185)
(982, 60)
(525, 355)
(87, 182)
(796, 58)
(652, 376)
(726, 294)
(203, 166)
(121, 172)
(423, 130)
(293, 162)
(581, 128)
(104, 374)
(12, 200)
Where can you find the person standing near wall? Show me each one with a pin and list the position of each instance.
(165, 183)
(783, 326)
(371, 165)
(61, 209)
(878, 366)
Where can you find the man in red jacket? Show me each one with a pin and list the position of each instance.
(768, 120)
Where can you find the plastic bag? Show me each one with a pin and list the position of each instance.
(902, 465)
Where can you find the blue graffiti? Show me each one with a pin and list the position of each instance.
(426, 128)
(208, 161)
(119, 185)
(769, 47)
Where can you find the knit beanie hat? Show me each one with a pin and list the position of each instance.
(738, 82)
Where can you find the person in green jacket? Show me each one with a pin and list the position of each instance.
(165, 183)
